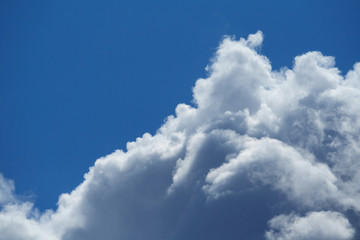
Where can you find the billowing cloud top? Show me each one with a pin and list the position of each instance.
(262, 154)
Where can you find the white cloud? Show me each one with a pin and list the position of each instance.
(6, 190)
(276, 164)
(315, 225)
(257, 143)
(21, 222)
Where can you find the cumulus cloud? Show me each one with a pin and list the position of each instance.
(274, 163)
(20, 221)
(257, 144)
(315, 225)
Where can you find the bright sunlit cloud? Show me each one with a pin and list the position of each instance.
(262, 153)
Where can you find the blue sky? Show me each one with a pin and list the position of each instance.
(79, 79)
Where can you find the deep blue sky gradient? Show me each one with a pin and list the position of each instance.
(78, 79)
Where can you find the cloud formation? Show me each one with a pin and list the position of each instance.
(261, 154)
(315, 225)
(7, 188)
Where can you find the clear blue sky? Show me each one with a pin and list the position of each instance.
(78, 79)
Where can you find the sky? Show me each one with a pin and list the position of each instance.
(190, 120)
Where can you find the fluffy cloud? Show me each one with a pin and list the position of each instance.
(315, 225)
(273, 163)
(20, 221)
(258, 143)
